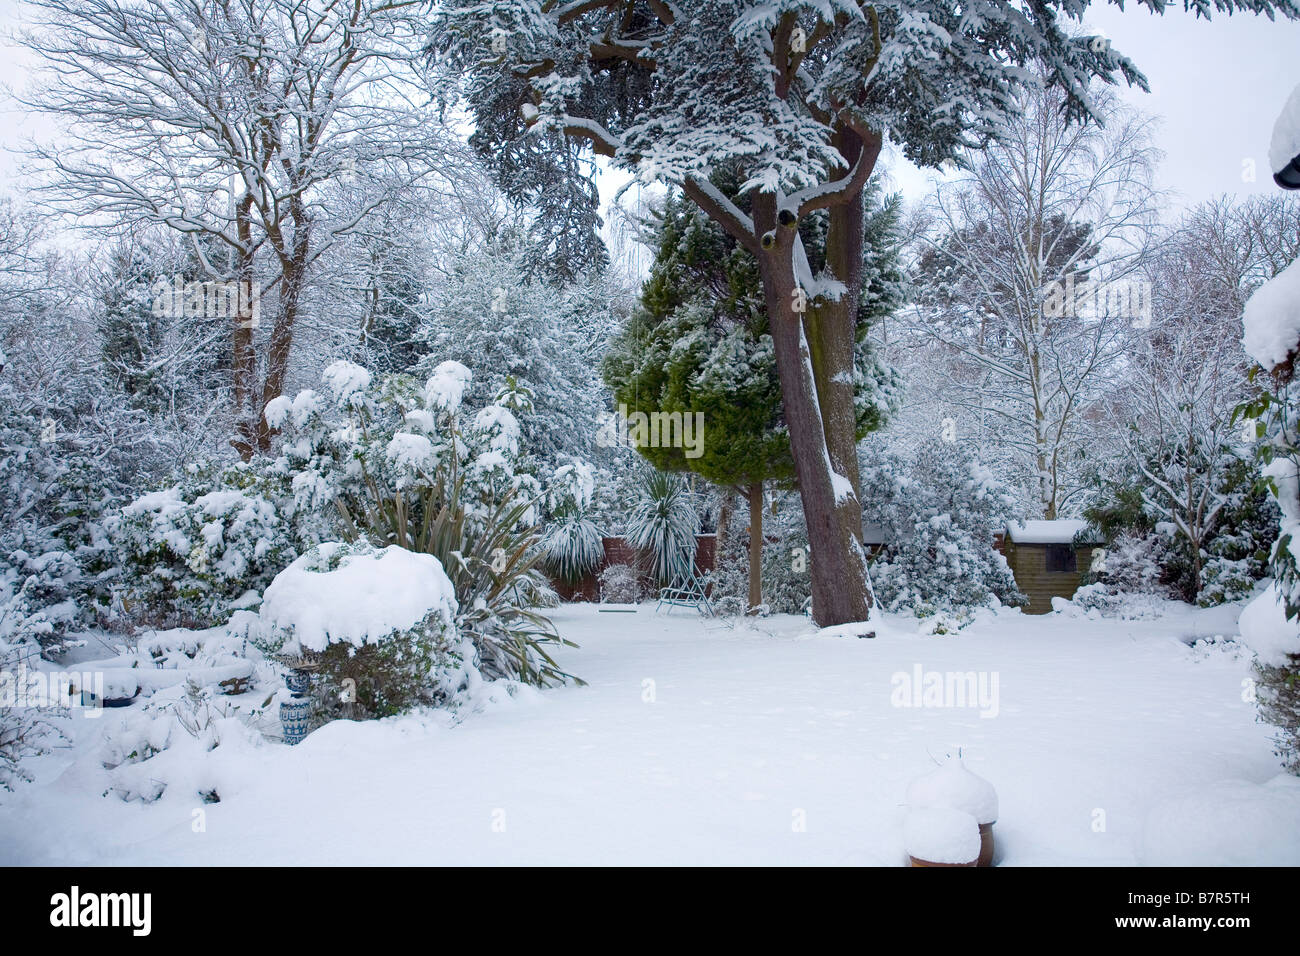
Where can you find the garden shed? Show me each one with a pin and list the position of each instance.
(1045, 561)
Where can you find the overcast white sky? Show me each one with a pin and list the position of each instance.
(1218, 87)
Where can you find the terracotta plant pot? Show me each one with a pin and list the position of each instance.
(986, 845)
(916, 862)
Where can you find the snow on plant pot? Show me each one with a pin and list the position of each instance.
(940, 836)
(376, 626)
(951, 786)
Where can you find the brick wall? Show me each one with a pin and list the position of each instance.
(618, 551)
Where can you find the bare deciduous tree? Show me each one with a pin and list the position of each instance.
(1018, 285)
(226, 121)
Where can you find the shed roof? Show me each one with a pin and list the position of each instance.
(1060, 531)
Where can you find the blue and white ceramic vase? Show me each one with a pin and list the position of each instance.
(298, 681)
(295, 713)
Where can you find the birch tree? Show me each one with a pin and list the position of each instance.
(1033, 283)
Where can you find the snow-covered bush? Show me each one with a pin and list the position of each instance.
(787, 582)
(1131, 563)
(192, 553)
(53, 572)
(20, 736)
(1224, 580)
(184, 743)
(939, 513)
(24, 732)
(573, 547)
(1126, 577)
(1209, 549)
(1275, 640)
(74, 442)
(665, 522)
(377, 626)
(571, 542)
(619, 584)
(394, 462)
(1236, 557)
(527, 336)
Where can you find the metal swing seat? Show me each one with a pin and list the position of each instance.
(689, 588)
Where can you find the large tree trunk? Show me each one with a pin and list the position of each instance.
(831, 327)
(827, 480)
(831, 510)
(755, 495)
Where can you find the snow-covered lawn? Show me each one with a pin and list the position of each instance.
(763, 744)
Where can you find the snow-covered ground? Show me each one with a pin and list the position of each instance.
(1108, 742)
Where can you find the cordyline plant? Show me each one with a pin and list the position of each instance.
(799, 95)
(664, 522)
(398, 466)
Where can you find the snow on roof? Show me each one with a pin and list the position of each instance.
(1061, 531)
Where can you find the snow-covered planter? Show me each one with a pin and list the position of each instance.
(939, 836)
(377, 627)
(951, 786)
